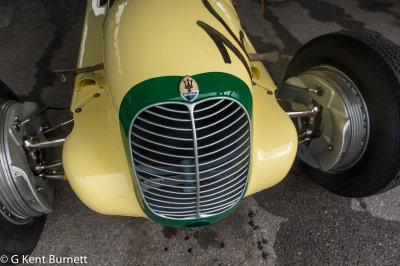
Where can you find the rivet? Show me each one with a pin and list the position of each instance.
(330, 147)
(96, 95)
(270, 92)
(254, 83)
(17, 123)
(78, 110)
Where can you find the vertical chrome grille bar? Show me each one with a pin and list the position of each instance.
(196, 159)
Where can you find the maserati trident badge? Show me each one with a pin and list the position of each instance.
(189, 89)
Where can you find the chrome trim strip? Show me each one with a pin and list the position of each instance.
(213, 176)
(211, 169)
(169, 207)
(225, 206)
(222, 196)
(170, 164)
(225, 155)
(169, 110)
(163, 126)
(212, 194)
(164, 185)
(159, 169)
(188, 216)
(171, 202)
(213, 114)
(177, 216)
(223, 148)
(177, 213)
(186, 198)
(206, 146)
(209, 107)
(166, 117)
(166, 178)
(222, 179)
(158, 152)
(172, 192)
(161, 144)
(219, 121)
(228, 126)
(159, 135)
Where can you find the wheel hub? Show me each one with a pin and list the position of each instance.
(22, 194)
(344, 130)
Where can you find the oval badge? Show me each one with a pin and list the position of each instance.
(188, 89)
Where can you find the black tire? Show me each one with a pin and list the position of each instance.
(6, 93)
(16, 239)
(19, 240)
(373, 64)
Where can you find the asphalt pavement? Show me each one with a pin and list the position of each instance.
(295, 222)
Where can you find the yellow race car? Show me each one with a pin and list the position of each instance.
(176, 119)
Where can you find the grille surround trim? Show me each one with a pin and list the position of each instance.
(240, 181)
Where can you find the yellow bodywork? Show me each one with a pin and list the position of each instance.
(138, 40)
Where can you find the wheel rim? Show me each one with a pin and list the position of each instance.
(22, 194)
(344, 132)
(12, 218)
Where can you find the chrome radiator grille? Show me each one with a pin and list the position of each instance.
(191, 160)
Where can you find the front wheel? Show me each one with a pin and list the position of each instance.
(354, 78)
(24, 196)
